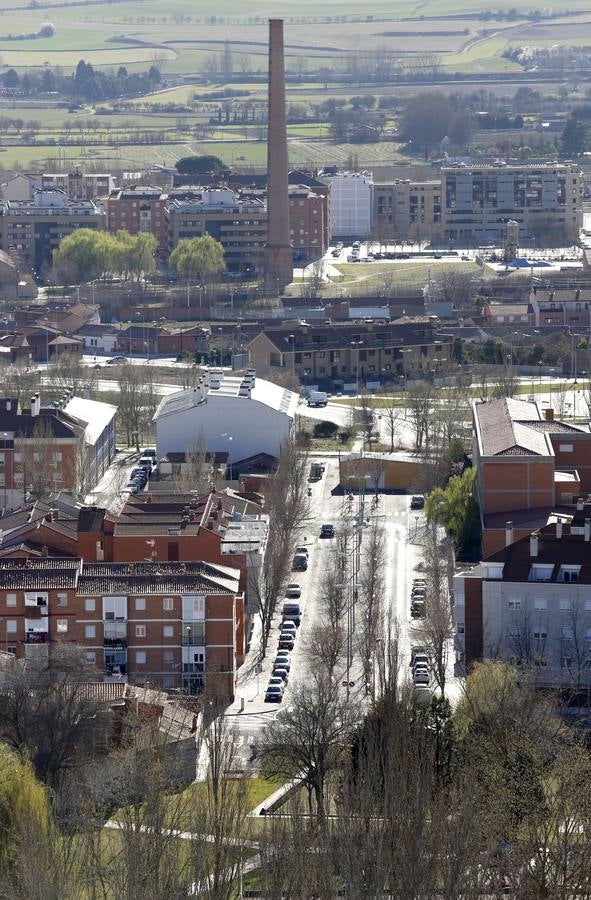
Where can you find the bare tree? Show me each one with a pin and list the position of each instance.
(138, 401)
(419, 401)
(438, 624)
(20, 380)
(371, 629)
(392, 413)
(365, 417)
(308, 738)
(326, 647)
(196, 472)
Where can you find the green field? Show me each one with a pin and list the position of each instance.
(187, 39)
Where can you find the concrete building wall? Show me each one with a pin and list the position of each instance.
(515, 483)
(407, 210)
(351, 205)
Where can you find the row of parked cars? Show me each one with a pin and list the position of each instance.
(418, 598)
(291, 617)
(420, 666)
(140, 474)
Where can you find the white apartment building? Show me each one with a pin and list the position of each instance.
(351, 202)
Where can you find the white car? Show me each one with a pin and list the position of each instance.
(293, 590)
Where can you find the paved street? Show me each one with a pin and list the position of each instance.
(402, 557)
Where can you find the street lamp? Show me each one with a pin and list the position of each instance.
(357, 344)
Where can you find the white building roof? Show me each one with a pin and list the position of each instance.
(94, 414)
(263, 392)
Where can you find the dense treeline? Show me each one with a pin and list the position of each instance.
(86, 82)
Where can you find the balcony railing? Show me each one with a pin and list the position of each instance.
(193, 634)
(36, 637)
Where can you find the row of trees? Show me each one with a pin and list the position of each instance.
(85, 83)
(86, 254)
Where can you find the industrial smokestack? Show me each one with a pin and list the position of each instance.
(278, 255)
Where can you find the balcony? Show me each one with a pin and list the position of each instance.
(193, 634)
(36, 637)
(115, 635)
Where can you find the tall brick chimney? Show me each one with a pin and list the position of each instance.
(278, 256)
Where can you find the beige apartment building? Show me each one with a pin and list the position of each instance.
(545, 199)
(405, 210)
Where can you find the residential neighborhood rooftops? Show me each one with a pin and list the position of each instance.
(509, 427)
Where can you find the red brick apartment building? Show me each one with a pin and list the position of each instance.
(172, 625)
(139, 209)
(528, 466)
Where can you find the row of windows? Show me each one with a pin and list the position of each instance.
(541, 603)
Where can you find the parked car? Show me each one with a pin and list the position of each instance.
(117, 361)
(303, 549)
(273, 694)
(276, 681)
(282, 661)
(292, 612)
(286, 642)
(417, 609)
(300, 562)
(327, 530)
(293, 590)
(150, 451)
(133, 487)
(146, 463)
(421, 679)
(417, 502)
(281, 672)
(420, 659)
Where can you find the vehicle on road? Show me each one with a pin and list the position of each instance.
(288, 627)
(150, 451)
(421, 679)
(282, 661)
(316, 472)
(317, 398)
(293, 590)
(146, 462)
(417, 609)
(133, 487)
(281, 672)
(417, 502)
(303, 549)
(327, 530)
(292, 612)
(286, 642)
(117, 361)
(300, 562)
(276, 681)
(273, 694)
(419, 659)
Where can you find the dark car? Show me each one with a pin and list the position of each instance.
(417, 502)
(327, 530)
(273, 694)
(286, 642)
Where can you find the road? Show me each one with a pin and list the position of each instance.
(249, 713)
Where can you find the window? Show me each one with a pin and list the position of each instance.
(140, 657)
(11, 626)
(168, 604)
(62, 599)
(168, 631)
(90, 657)
(18, 457)
(115, 608)
(89, 632)
(62, 626)
(168, 657)
(514, 603)
(140, 604)
(566, 631)
(540, 603)
(565, 605)
(140, 630)
(540, 634)
(565, 448)
(89, 604)
(569, 573)
(541, 573)
(460, 628)
(11, 599)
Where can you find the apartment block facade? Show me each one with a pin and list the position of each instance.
(530, 605)
(139, 209)
(170, 625)
(405, 210)
(32, 229)
(546, 201)
(341, 354)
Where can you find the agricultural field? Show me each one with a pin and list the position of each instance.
(188, 40)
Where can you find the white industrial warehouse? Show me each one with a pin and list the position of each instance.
(243, 416)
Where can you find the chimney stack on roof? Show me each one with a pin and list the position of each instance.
(534, 544)
(508, 533)
(580, 504)
(587, 530)
(558, 529)
(549, 415)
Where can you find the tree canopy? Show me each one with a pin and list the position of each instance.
(199, 165)
(87, 254)
(455, 508)
(200, 259)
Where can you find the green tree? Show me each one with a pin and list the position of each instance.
(200, 259)
(574, 137)
(23, 802)
(80, 256)
(142, 256)
(199, 165)
(455, 509)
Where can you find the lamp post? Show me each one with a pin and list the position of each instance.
(357, 344)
